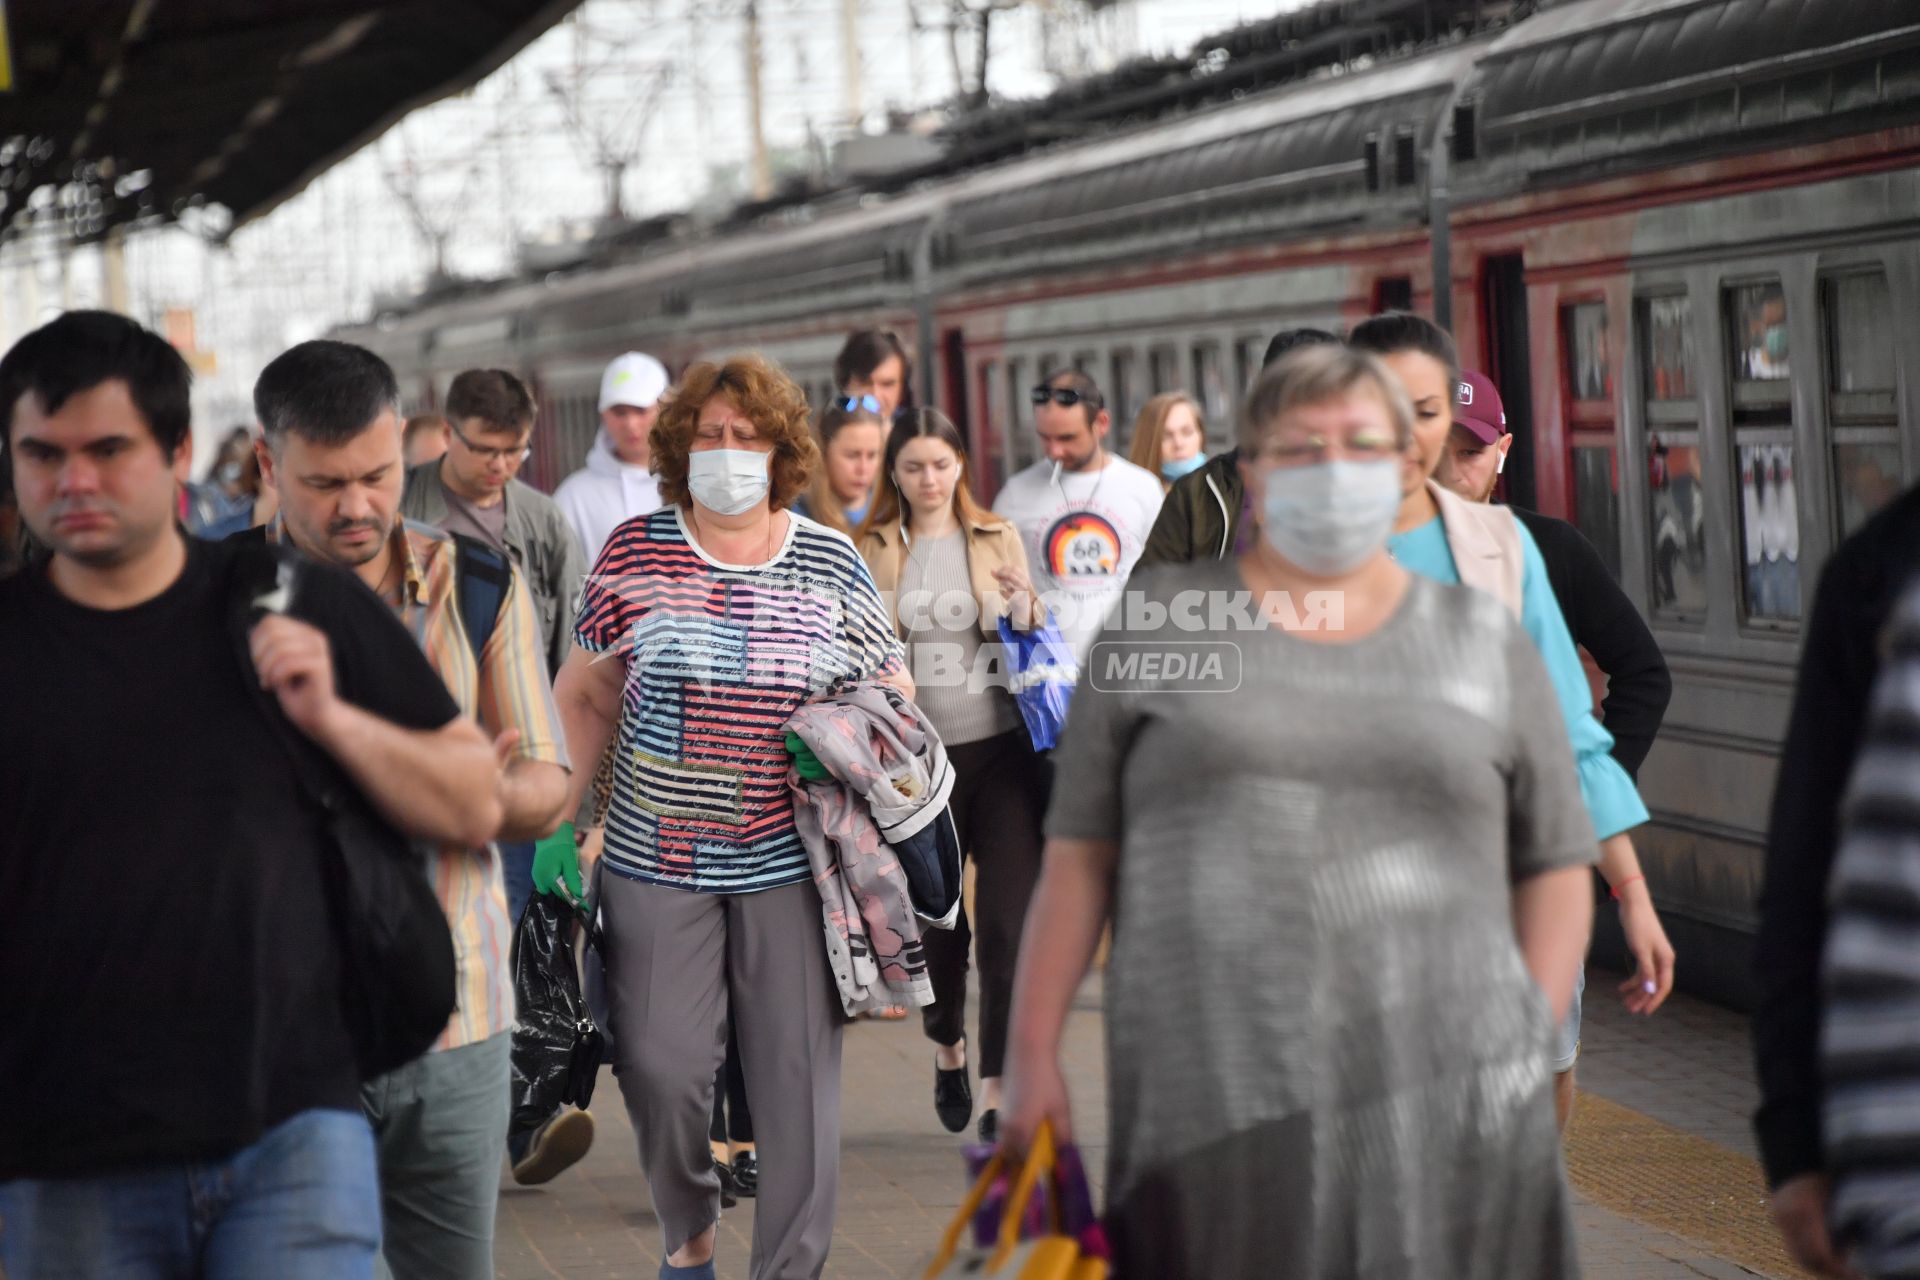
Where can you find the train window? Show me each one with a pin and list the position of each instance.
(1088, 362)
(1676, 516)
(1048, 366)
(1769, 529)
(1666, 336)
(1393, 293)
(1163, 369)
(1123, 391)
(1246, 363)
(1757, 340)
(1678, 536)
(1584, 332)
(1860, 338)
(1756, 320)
(1866, 428)
(1596, 501)
(1209, 384)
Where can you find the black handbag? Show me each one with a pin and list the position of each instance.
(395, 946)
(557, 1047)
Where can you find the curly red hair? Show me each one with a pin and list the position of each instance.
(765, 395)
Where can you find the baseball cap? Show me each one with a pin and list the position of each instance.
(634, 378)
(1480, 410)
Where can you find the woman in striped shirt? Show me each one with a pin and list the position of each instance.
(702, 628)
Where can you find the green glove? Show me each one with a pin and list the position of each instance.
(556, 857)
(811, 770)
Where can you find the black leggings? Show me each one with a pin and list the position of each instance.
(732, 1120)
(999, 799)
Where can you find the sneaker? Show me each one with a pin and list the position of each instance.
(557, 1147)
(952, 1097)
(702, 1272)
(746, 1174)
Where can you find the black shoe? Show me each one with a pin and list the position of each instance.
(990, 1127)
(729, 1193)
(746, 1174)
(952, 1097)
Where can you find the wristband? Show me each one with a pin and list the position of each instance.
(1615, 890)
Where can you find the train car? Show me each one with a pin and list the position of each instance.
(1683, 236)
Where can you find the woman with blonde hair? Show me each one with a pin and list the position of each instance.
(1170, 437)
(952, 571)
(850, 434)
(702, 629)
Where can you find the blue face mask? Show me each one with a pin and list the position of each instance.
(1171, 471)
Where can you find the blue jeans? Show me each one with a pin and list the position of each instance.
(1566, 1040)
(302, 1203)
(516, 867)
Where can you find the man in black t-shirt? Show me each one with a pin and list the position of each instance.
(180, 1095)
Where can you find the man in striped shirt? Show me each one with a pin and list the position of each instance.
(1870, 1025)
(331, 418)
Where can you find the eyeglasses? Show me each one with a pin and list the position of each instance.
(853, 404)
(519, 453)
(1315, 449)
(1065, 397)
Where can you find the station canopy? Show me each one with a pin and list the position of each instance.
(125, 111)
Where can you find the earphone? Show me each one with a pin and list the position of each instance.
(1500, 464)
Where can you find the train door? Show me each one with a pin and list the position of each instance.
(953, 380)
(1510, 365)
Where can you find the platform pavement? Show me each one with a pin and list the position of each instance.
(902, 1177)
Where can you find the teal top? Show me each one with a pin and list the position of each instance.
(1612, 800)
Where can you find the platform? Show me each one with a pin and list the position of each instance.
(1660, 1154)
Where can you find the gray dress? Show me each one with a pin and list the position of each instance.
(1326, 1057)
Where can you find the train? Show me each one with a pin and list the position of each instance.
(1682, 236)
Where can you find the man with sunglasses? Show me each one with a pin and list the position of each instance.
(1083, 512)
(472, 490)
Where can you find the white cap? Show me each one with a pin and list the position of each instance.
(634, 378)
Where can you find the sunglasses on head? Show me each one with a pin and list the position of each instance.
(1065, 397)
(853, 404)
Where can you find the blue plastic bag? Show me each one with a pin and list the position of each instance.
(1042, 673)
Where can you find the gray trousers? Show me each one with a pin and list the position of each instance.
(674, 960)
(438, 1125)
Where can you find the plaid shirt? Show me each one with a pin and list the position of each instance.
(507, 689)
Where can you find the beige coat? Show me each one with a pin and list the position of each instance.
(991, 543)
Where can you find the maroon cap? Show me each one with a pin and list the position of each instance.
(1479, 409)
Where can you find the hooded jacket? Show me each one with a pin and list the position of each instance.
(880, 840)
(604, 494)
(1201, 516)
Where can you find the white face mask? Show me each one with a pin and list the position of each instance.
(1330, 517)
(729, 481)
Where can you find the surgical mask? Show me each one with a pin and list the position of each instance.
(728, 481)
(229, 473)
(1328, 518)
(1776, 341)
(1171, 471)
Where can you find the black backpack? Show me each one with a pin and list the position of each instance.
(395, 946)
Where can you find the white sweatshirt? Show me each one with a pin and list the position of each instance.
(605, 494)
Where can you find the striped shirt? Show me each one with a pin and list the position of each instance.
(1870, 1040)
(506, 689)
(718, 657)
